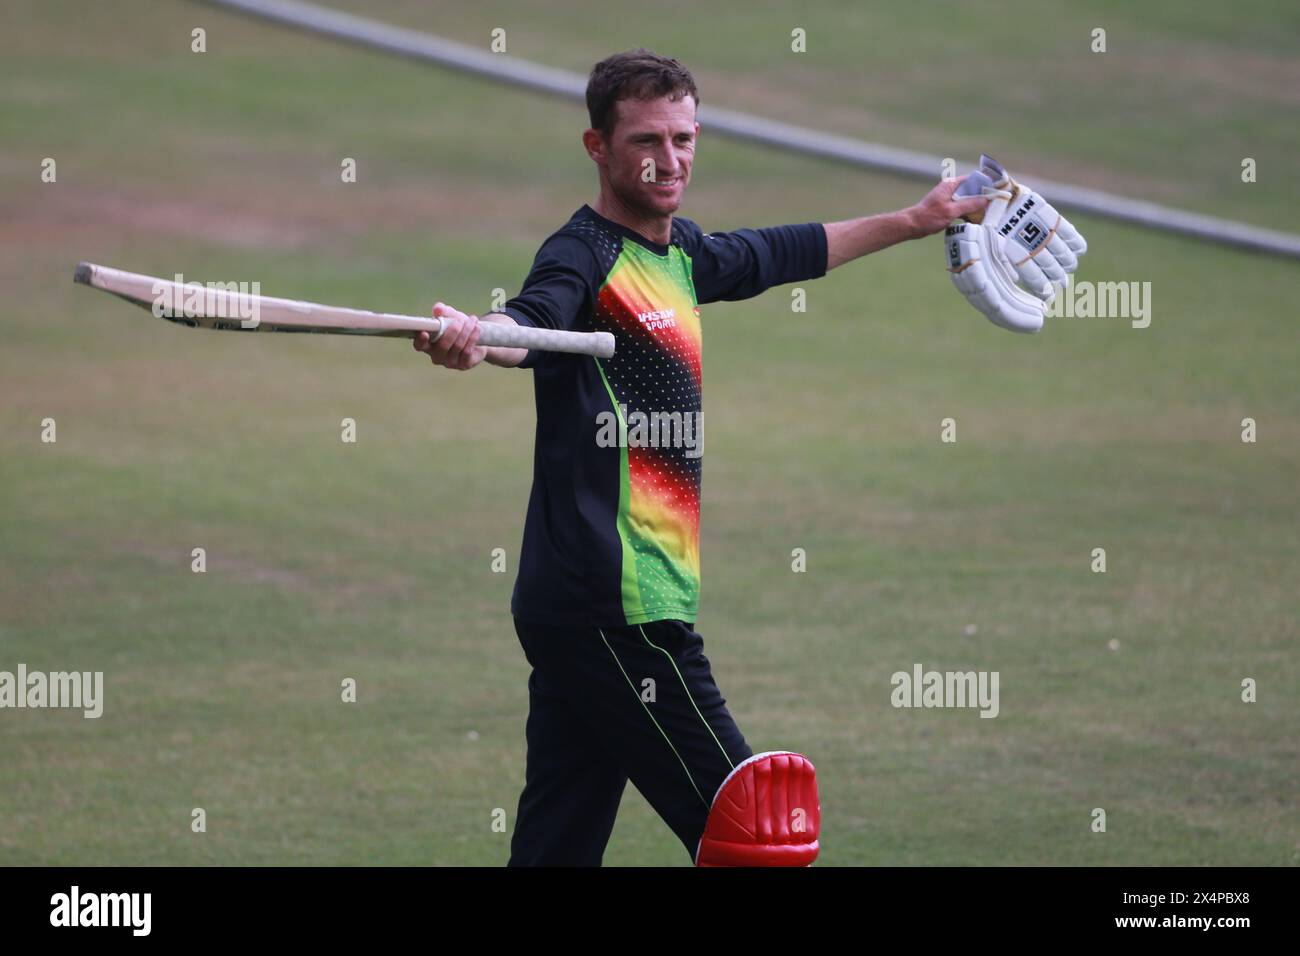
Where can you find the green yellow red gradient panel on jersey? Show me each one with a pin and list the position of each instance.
(648, 302)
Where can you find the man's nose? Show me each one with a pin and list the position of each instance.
(665, 158)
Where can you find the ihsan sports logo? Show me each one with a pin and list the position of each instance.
(954, 251)
(1015, 217)
(1032, 234)
(660, 319)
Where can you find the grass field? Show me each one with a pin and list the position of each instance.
(372, 560)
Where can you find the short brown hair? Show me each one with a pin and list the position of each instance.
(634, 75)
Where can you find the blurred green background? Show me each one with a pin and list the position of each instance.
(372, 560)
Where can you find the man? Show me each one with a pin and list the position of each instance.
(608, 585)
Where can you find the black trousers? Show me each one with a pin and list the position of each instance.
(606, 705)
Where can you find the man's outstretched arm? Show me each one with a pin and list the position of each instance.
(854, 238)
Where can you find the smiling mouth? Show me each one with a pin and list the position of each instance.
(667, 183)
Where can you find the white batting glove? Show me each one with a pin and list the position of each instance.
(1011, 259)
(987, 281)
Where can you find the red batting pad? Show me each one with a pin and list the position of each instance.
(766, 813)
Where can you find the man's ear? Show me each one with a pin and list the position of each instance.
(594, 143)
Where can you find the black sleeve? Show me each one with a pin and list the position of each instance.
(729, 266)
(560, 290)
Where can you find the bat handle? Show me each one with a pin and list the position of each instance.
(509, 335)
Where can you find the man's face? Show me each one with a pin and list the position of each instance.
(662, 132)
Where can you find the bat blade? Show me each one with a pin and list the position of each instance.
(229, 307)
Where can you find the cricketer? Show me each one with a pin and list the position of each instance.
(608, 588)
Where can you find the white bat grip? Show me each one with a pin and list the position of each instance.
(499, 334)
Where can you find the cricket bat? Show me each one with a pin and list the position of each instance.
(225, 306)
